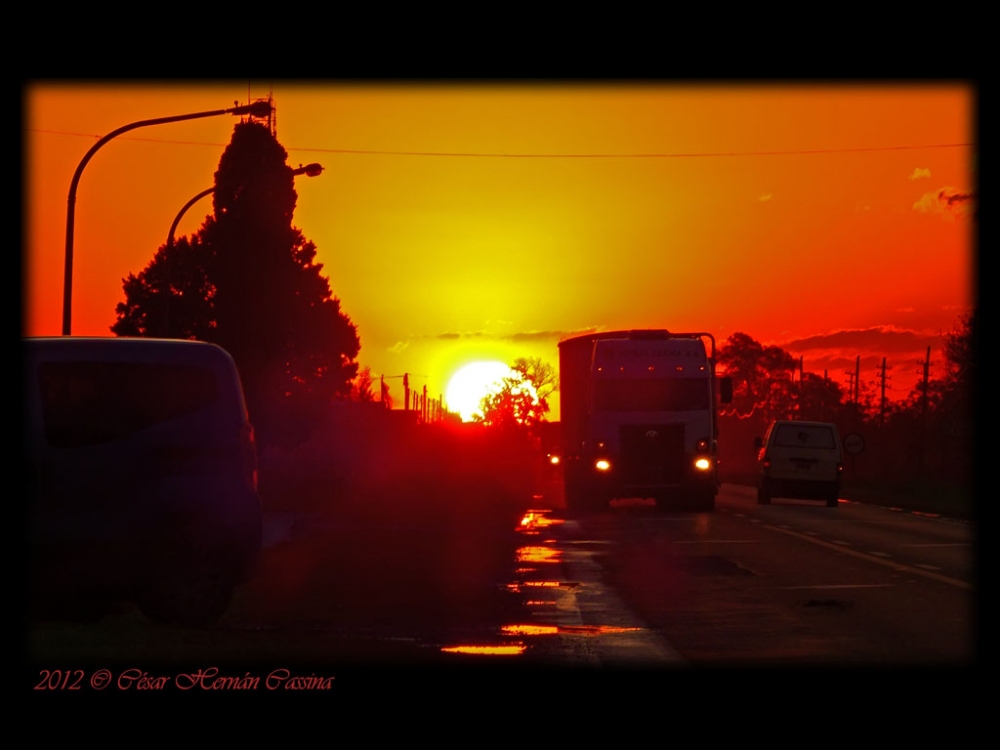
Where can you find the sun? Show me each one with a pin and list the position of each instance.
(471, 383)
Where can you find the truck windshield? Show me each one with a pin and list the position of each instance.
(649, 394)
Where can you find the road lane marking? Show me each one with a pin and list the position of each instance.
(841, 586)
(717, 541)
(899, 567)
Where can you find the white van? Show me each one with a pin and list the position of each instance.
(799, 459)
(142, 475)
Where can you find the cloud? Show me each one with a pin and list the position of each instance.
(839, 354)
(956, 198)
(520, 337)
(883, 340)
(399, 347)
(766, 197)
(920, 173)
(948, 202)
(543, 335)
(455, 335)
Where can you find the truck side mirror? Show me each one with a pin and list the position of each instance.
(758, 442)
(725, 389)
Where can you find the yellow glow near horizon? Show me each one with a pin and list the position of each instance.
(845, 212)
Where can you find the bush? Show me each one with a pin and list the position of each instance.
(363, 459)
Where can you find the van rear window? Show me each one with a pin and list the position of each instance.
(804, 436)
(86, 403)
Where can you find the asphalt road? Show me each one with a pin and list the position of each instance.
(373, 599)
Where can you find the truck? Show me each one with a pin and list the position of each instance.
(639, 418)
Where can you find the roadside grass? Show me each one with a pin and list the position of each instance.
(916, 495)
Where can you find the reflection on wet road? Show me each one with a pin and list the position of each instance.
(571, 617)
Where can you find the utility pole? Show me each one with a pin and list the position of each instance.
(850, 386)
(406, 389)
(857, 377)
(926, 365)
(883, 377)
(799, 399)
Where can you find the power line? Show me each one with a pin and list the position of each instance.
(484, 155)
(698, 155)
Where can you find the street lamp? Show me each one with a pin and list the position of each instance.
(261, 108)
(309, 170)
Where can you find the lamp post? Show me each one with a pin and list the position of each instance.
(261, 108)
(310, 170)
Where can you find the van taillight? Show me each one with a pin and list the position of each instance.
(250, 454)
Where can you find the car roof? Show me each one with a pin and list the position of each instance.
(804, 423)
(173, 351)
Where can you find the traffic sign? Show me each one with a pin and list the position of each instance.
(854, 443)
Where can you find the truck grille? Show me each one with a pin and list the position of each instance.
(652, 454)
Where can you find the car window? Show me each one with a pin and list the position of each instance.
(86, 403)
(804, 436)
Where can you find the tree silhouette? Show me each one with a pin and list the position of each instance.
(540, 374)
(363, 387)
(521, 401)
(248, 281)
(820, 398)
(172, 297)
(959, 350)
(950, 426)
(762, 376)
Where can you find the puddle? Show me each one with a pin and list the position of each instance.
(512, 650)
(538, 555)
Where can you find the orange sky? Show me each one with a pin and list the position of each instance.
(487, 221)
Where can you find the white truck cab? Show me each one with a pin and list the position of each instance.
(639, 418)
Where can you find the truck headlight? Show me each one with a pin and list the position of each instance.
(702, 464)
(602, 464)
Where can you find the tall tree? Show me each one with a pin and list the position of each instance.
(274, 309)
(248, 281)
